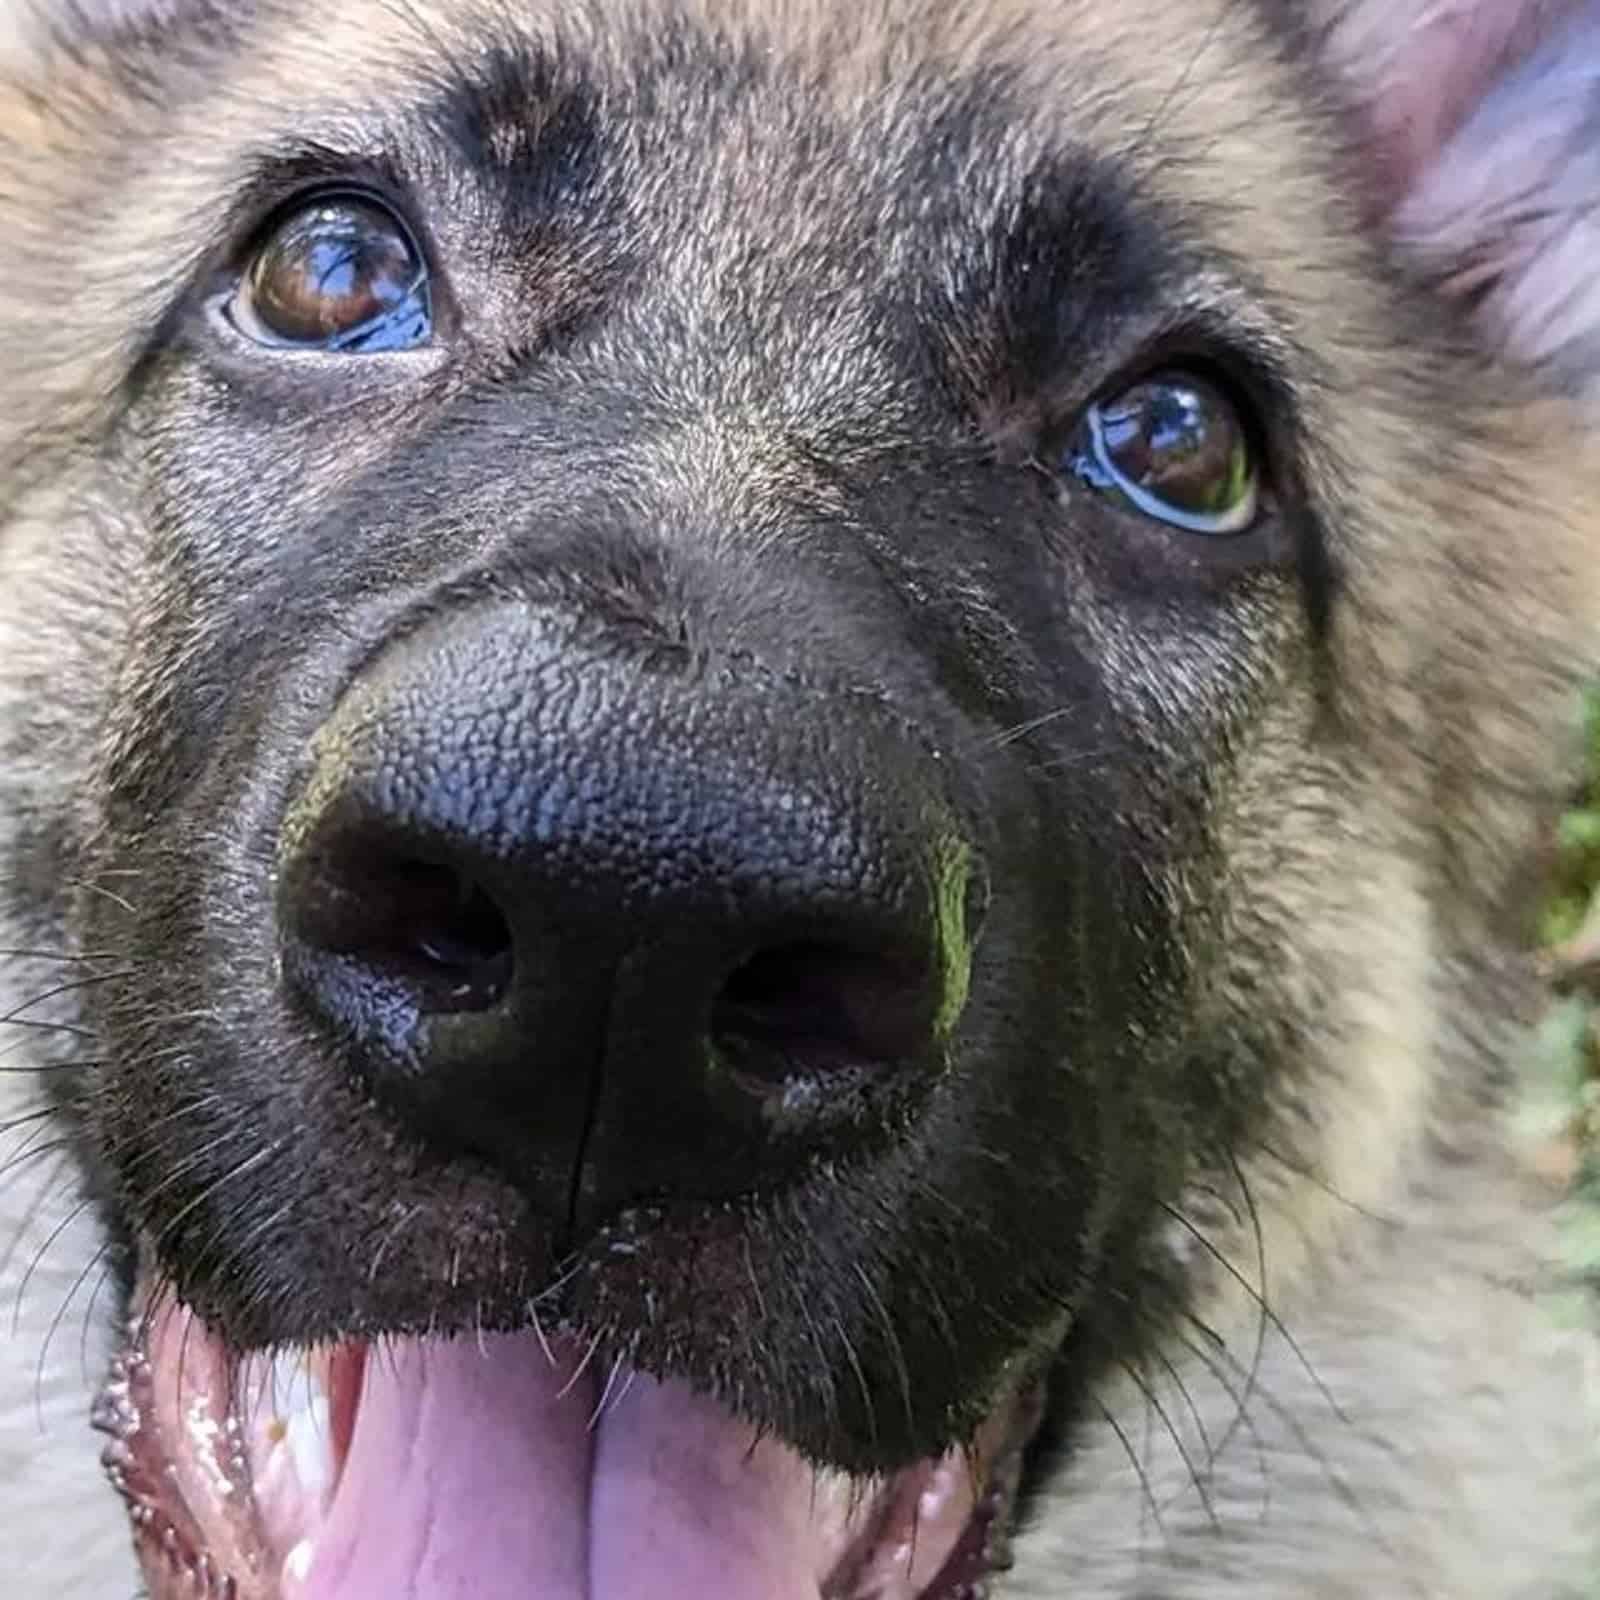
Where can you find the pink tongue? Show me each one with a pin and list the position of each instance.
(472, 1474)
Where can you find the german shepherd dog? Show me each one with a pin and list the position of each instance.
(770, 776)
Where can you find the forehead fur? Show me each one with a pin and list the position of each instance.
(1214, 115)
(118, 150)
(121, 150)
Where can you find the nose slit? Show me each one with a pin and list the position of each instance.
(432, 929)
(805, 1008)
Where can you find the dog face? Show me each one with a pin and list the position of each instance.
(786, 709)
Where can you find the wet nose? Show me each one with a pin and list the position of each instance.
(625, 926)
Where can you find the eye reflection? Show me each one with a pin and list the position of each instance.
(340, 273)
(1176, 449)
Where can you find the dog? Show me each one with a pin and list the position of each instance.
(771, 776)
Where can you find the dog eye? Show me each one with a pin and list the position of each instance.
(1176, 448)
(340, 273)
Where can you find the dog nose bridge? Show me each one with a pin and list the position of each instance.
(623, 930)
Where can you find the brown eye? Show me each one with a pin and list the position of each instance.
(1175, 447)
(339, 273)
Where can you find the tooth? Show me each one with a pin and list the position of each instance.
(308, 1440)
(297, 1564)
(290, 1443)
(298, 1418)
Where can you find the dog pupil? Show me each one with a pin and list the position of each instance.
(330, 269)
(1181, 440)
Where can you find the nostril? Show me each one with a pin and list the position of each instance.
(807, 1009)
(430, 927)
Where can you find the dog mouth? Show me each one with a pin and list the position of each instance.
(507, 1465)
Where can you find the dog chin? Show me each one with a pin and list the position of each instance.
(507, 1464)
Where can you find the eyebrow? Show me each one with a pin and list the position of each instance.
(521, 118)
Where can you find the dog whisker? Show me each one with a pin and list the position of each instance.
(1146, 1490)
(1154, 1406)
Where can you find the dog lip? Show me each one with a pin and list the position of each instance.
(198, 1446)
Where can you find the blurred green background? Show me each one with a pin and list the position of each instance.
(1562, 1108)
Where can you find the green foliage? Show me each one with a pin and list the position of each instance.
(1577, 847)
(1562, 1107)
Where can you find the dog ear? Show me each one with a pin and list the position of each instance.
(1480, 123)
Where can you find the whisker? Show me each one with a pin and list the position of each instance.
(36, 1026)
(1327, 1188)
(103, 1257)
(896, 1349)
(1268, 1315)
(24, 1225)
(1138, 1466)
(30, 1152)
(72, 986)
(579, 1370)
(1241, 1404)
(23, 953)
(1153, 1401)
(1021, 730)
(1188, 1399)
(1336, 1480)
(66, 1303)
(100, 889)
(27, 1119)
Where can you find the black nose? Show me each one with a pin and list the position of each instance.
(625, 928)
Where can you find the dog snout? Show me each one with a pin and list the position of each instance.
(627, 928)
